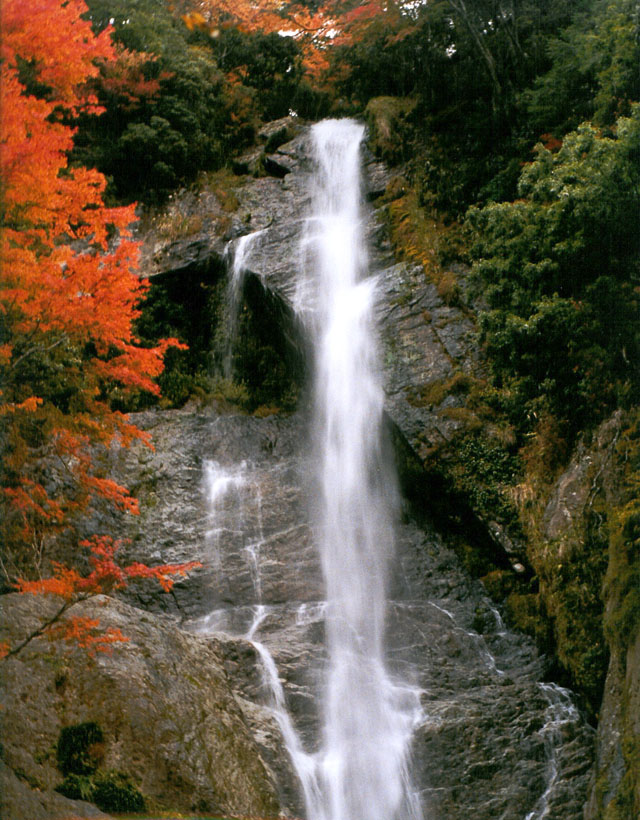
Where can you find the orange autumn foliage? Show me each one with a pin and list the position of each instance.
(314, 31)
(125, 79)
(71, 586)
(69, 290)
(332, 23)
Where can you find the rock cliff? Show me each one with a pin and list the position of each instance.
(194, 723)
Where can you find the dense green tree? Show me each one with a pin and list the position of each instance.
(489, 78)
(165, 105)
(180, 101)
(558, 268)
(594, 70)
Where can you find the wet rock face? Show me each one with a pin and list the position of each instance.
(162, 700)
(233, 491)
(226, 491)
(494, 740)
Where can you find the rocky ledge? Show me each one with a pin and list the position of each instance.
(164, 705)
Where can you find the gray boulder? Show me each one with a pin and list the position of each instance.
(162, 699)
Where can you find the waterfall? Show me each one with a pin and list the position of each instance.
(343, 670)
(240, 256)
(560, 714)
(368, 717)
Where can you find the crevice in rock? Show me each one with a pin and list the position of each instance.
(432, 501)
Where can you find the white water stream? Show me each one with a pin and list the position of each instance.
(560, 714)
(360, 771)
(241, 255)
(368, 717)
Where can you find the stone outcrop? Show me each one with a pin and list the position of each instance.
(163, 701)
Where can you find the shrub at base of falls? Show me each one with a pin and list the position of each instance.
(77, 747)
(154, 718)
(109, 790)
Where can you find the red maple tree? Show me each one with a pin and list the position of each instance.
(316, 28)
(69, 296)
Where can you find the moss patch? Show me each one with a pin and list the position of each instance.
(388, 128)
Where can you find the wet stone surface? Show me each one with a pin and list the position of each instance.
(491, 741)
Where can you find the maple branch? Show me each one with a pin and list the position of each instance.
(44, 626)
(308, 28)
(37, 349)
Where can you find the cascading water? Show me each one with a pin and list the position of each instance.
(368, 718)
(561, 713)
(241, 254)
(492, 742)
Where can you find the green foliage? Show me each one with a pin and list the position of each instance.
(187, 304)
(191, 305)
(272, 66)
(176, 104)
(79, 753)
(555, 267)
(109, 790)
(76, 749)
(263, 361)
(594, 70)
(180, 381)
(574, 221)
(151, 144)
(229, 392)
(485, 86)
(573, 580)
(115, 791)
(181, 102)
(77, 787)
(482, 469)
(388, 130)
(622, 582)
